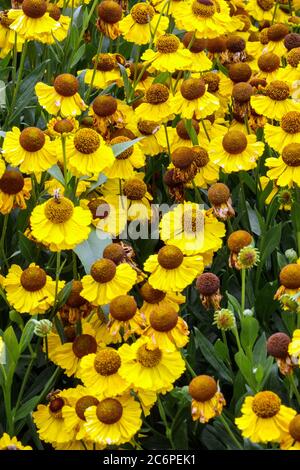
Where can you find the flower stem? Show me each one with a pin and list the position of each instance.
(2, 241)
(243, 289)
(294, 387)
(226, 426)
(99, 49)
(164, 419)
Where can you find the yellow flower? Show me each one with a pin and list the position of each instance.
(141, 21)
(147, 399)
(30, 149)
(157, 104)
(151, 143)
(62, 97)
(7, 36)
(30, 291)
(103, 337)
(100, 372)
(32, 21)
(166, 329)
(287, 133)
(107, 112)
(52, 186)
(107, 281)
(110, 13)
(78, 445)
(193, 99)
(207, 400)
(64, 22)
(268, 64)
(148, 367)
(294, 346)
(11, 443)
(14, 191)
(276, 102)
(124, 316)
(292, 440)
(171, 270)
(126, 162)
(200, 61)
(263, 10)
(114, 420)
(107, 71)
(87, 153)
(108, 214)
(154, 300)
(235, 151)
(208, 18)
(58, 126)
(285, 169)
(60, 224)
(192, 229)
(169, 56)
(264, 418)
(49, 420)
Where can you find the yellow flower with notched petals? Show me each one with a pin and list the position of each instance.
(12, 443)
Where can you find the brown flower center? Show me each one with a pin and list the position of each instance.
(235, 44)
(128, 152)
(59, 210)
(151, 295)
(54, 11)
(63, 126)
(99, 208)
(290, 122)
(84, 345)
(201, 156)
(212, 80)
(182, 131)
(265, 5)
(234, 142)
(134, 189)
(183, 157)
(218, 194)
(291, 154)
(192, 88)
(33, 278)
(103, 270)
(208, 283)
(83, 404)
(192, 220)
(110, 11)
(294, 428)
(293, 57)
(123, 307)
(242, 92)
(142, 13)
(238, 240)
(32, 139)
(157, 94)
(266, 404)
(290, 276)
(70, 333)
(107, 362)
(34, 8)
(170, 257)
(197, 45)
(149, 357)
(268, 62)
(105, 105)
(75, 300)
(278, 344)
(164, 319)
(55, 407)
(66, 84)
(202, 388)
(167, 43)
(277, 32)
(203, 8)
(109, 411)
(278, 90)
(4, 20)
(11, 182)
(239, 72)
(114, 252)
(86, 141)
(147, 127)
(105, 62)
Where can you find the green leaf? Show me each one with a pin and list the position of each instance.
(120, 148)
(233, 303)
(161, 78)
(191, 131)
(253, 219)
(78, 55)
(91, 249)
(127, 85)
(221, 350)
(249, 332)
(55, 171)
(11, 344)
(27, 247)
(64, 294)
(27, 335)
(26, 408)
(246, 369)
(16, 318)
(270, 242)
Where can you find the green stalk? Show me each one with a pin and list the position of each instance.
(24, 383)
(226, 426)
(2, 240)
(294, 387)
(99, 49)
(243, 271)
(164, 419)
(168, 142)
(63, 144)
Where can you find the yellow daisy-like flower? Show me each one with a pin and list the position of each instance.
(126, 162)
(87, 153)
(69, 355)
(235, 151)
(107, 71)
(276, 102)
(289, 278)
(53, 186)
(209, 18)
(285, 169)
(60, 224)
(171, 270)
(49, 419)
(147, 399)
(149, 367)
(154, 300)
(166, 5)
(62, 97)
(192, 229)
(30, 149)
(193, 99)
(268, 67)
(166, 329)
(170, 55)
(100, 372)
(151, 143)
(207, 400)
(58, 127)
(12, 443)
(124, 316)
(103, 337)
(30, 291)
(157, 104)
(108, 215)
(114, 420)
(107, 281)
(64, 22)
(142, 20)
(107, 113)
(200, 61)
(7, 36)
(32, 22)
(109, 13)
(78, 445)
(70, 333)
(287, 133)
(14, 191)
(292, 440)
(264, 418)
(294, 346)
(263, 10)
